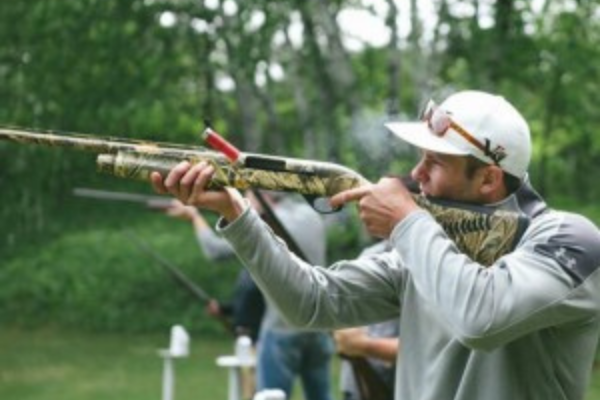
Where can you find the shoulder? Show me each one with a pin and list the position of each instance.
(571, 240)
(567, 227)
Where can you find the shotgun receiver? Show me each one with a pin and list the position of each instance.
(482, 233)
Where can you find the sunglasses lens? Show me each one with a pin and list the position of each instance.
(439, 122)
(427, 111)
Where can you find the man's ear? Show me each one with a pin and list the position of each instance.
(492, 181)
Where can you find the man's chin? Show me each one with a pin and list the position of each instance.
(430, 196)
(424, 192)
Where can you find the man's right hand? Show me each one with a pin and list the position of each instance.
(188, 183)
(213, 308)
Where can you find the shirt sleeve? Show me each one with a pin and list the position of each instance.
(550, 279)
(347, 294)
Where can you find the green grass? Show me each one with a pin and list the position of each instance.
(56, 365)
(594, 390)
(74, 366)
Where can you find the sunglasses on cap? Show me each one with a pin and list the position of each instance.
(439, 122)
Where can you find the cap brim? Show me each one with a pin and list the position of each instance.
(417, 134)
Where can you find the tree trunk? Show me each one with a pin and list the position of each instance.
(394, 61)
(328, 91)
(305, 118)
(504, 16)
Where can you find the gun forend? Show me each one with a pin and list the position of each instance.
(310, 178)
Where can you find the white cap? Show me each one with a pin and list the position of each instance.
(489, 118)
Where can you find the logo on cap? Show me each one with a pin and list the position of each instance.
(497, 155)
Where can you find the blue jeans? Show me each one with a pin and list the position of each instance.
(284, 355)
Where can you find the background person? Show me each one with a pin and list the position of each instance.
(246, 308)
(284, 353)
(376, 344)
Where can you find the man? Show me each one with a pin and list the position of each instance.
(525, 327)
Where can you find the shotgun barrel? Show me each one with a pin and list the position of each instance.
(136, 159)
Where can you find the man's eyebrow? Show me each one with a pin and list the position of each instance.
(433, 156)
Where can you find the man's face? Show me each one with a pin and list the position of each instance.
(444, 176)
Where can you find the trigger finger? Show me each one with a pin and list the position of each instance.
(346, 196)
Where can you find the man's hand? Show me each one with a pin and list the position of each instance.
(355, 342)
(351, 341)
(179, 210)
(213, 308)
(381, 206)
(188, 183)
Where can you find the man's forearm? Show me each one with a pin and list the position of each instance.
(274, 269)
(313, 296)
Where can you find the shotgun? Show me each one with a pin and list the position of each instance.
(152, 202)
(484, 234)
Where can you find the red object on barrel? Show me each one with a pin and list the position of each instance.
(219, 143)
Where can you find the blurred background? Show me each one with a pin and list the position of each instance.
(302, 78)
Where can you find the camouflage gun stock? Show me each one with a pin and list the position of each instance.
(484, 234)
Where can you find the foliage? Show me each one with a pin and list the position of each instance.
(100, 280)
(273, 77)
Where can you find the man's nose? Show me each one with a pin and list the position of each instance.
(419, 173)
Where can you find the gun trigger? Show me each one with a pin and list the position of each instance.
(320, 204)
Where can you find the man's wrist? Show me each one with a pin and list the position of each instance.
(232, 213)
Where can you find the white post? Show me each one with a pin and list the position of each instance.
(243, 358)
(168, 387)
(178, 347)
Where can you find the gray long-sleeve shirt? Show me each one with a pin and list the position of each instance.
(302, 224)
(524, 328)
